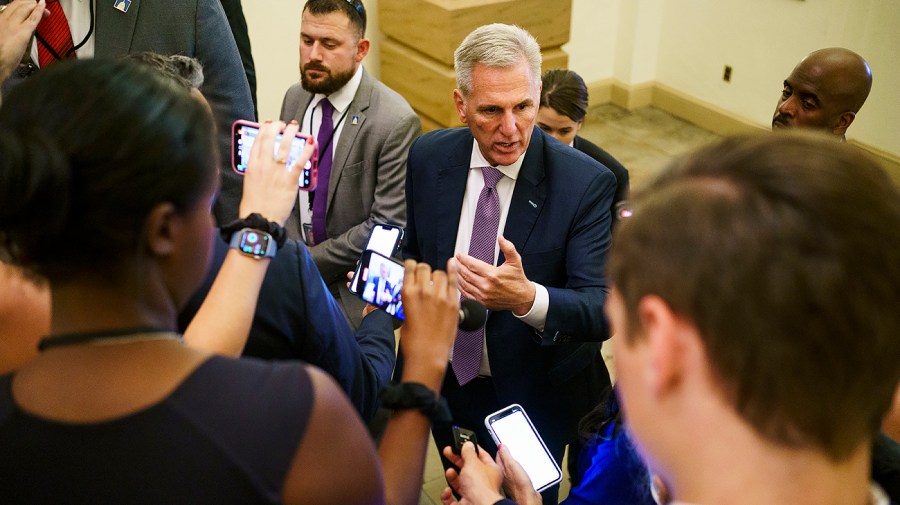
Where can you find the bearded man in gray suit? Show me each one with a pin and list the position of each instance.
(371, 129)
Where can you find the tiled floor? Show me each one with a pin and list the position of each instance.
(644, 140)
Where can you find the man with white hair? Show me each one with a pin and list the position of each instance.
(527, 219)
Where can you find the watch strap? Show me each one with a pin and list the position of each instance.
(412, 395)
(257, 222)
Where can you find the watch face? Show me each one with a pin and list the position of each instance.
(255, 243)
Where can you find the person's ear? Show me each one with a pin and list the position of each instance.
(578, 125)
(664, 332)
(362, 49)
(161, 229)
(844, 122)
(460, 105)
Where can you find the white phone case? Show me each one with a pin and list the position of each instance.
(511, 427)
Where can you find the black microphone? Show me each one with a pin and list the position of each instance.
(472, 315)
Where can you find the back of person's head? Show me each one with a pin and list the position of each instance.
(565, 92)
(184, 69)
(353, 9)
(782, 251)
(495, 45)
(87, 149)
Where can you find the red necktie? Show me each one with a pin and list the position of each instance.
(54, 29)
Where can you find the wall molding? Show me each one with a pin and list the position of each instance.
(703, 114)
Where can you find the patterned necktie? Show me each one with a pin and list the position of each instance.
(468, 345)
(320, 202)
(54, 29)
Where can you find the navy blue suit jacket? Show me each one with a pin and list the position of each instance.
(559, 222)
(297, 318)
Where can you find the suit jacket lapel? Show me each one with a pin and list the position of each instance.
(351, 126)
(452, 175)
(528, 196)
(114, 28)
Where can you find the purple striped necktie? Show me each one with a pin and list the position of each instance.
(468, 345)
(320, 201)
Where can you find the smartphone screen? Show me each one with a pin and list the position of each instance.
(384, 239)
(512, 428)
(381, 280)
(244, 134)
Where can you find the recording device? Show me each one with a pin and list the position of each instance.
(244, 133)
(383, 239)
(379, 281)
(512, 427)
(461, 436)
(472, 315)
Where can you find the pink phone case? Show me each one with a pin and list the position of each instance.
(308, 181)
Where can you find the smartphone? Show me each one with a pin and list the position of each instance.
(512, 427)
(385, 239)
(244, 133)
(381, 279)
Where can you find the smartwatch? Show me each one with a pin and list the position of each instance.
(253, 242)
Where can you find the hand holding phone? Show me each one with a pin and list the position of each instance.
(269, 189)
(383, 239)
(516, 483)
(381, 281)
(512, 428)
(244, 135)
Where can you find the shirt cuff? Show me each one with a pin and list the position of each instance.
(537, 316)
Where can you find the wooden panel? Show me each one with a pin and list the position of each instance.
(429, 124)
(427, 85)
(436, 27)
(554, 57)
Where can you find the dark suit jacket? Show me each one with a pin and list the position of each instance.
(559, 222)
(608, 161)
(235, 14)
(296, 318)
(366, 183)
(196, 28)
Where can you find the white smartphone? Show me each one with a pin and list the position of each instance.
(383, 239)
(511, 427)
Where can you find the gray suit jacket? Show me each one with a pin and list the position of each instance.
(367, 180)
(196, 28)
